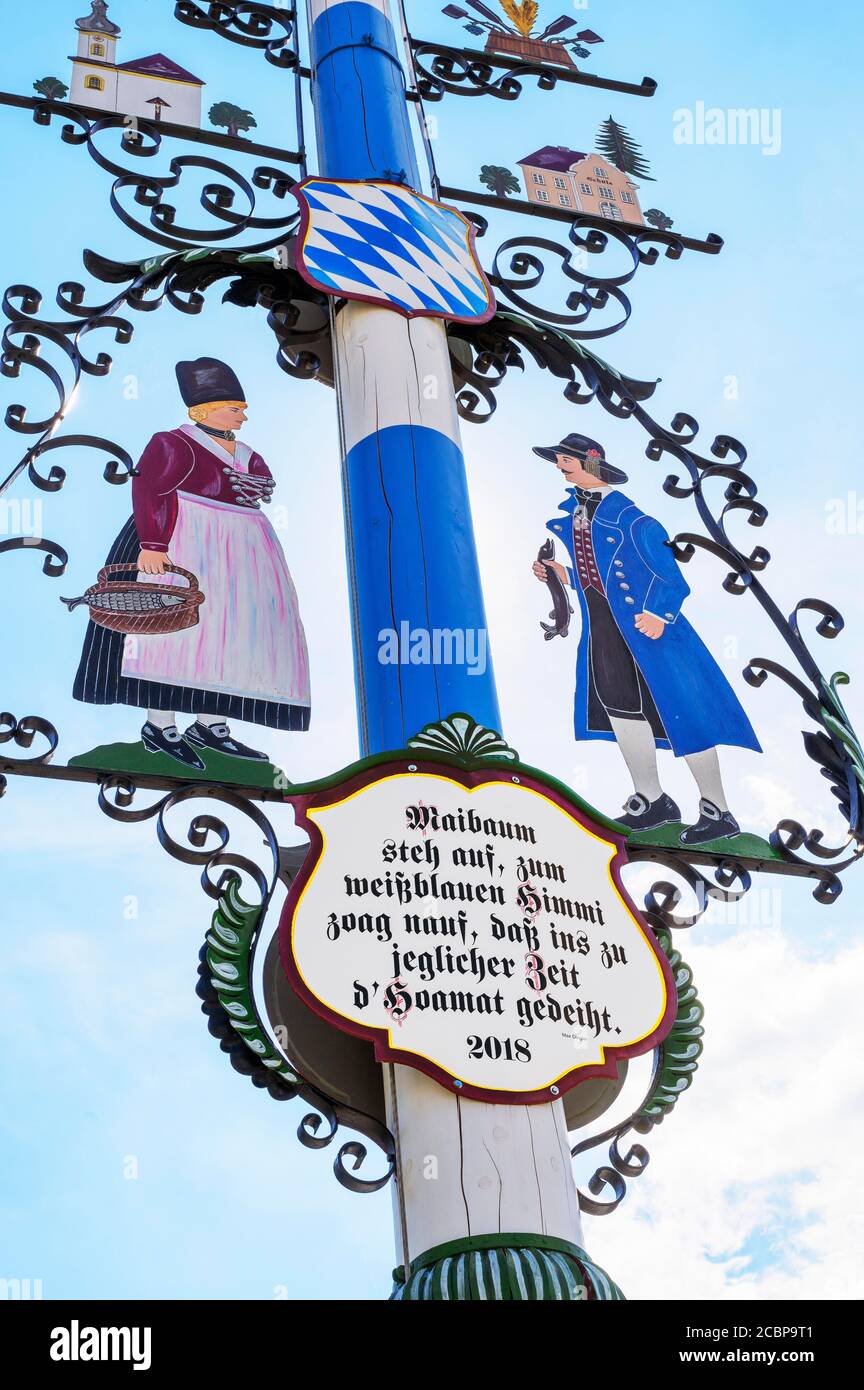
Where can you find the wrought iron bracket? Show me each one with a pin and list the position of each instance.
(471, 72)
(270, 28)
(641, 233)
(675, 1064)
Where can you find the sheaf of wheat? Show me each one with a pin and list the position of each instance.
(521, 15)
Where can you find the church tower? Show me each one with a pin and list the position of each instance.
(94, 74)
(144, 87)
(97, 35)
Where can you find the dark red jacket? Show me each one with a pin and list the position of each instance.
(174, 461)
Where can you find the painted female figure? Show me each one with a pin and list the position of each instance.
(197, 501)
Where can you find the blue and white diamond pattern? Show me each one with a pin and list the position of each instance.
(386, 244)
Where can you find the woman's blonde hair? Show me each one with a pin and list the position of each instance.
(199, 413)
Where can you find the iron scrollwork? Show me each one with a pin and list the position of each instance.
(143, 140)
(224, 974)
(22, 732)
(530, 259)
(675, 1063)
(441, 69)
(675, 242)
(297, 315)
(481, 357)
(224, 987)
(269, 28)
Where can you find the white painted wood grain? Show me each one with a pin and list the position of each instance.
(319, 7)
(393, 371)
(470, 1168)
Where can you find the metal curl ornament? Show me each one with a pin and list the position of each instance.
(228, 1000)
(116, 799)
(527, 270)
(674, 1066)
(297, 315)
(216, 198)
(143, 140)
(835, 747)
(440, 69)
(249, 24)
(22, 732)
(23, 339)
(56, 558)
(481, 357)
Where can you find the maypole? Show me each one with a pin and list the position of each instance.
(466, 1171)
(458, 974)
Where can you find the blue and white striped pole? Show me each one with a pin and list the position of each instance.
(411, 553)
(464, 1168)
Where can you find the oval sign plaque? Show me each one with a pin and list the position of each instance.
(473, 925)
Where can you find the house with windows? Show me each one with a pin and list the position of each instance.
(556, 176)
(153, 86)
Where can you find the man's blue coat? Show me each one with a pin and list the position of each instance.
(639, 572)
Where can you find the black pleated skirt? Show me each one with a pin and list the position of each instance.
(100, 680)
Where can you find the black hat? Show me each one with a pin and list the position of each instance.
(207, 379)
(589, 452)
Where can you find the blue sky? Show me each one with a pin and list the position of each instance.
(106, 1057)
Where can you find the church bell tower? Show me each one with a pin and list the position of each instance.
(97, 35)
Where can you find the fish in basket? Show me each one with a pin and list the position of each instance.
(132, 606)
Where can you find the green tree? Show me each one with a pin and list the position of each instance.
(621, 149)
(655, 218)
(236, 118)
(499, 180)
(52, 88)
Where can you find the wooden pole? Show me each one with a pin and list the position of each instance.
(466, 1170)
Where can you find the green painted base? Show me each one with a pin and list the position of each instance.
(218, 767)
(744, 846)
(505, 1268)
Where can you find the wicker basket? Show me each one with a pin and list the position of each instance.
(135, 607)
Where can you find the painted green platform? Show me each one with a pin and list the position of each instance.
(133, 758)
(744, 846)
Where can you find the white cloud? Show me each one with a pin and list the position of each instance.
(753, 1190)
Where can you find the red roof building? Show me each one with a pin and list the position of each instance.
(556, 176)
(142, 87)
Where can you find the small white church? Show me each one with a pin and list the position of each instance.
(154, 87)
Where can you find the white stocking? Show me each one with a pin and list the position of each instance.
(705, 767)
(639, 751)
(161, 718)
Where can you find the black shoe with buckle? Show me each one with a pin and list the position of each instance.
(643, 814)
(713, 824)
(218, 737)
(171, 742)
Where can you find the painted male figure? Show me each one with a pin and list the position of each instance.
(643, 676)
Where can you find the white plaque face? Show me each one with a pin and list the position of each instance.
(473, 925)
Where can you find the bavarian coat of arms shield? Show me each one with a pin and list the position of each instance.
(385, 244)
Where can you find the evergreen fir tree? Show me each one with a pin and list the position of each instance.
(614, 142)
